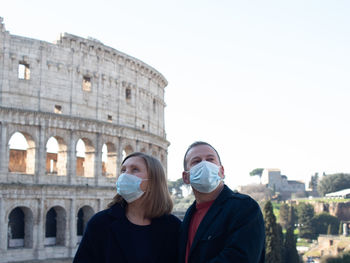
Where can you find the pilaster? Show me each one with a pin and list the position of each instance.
(72, 160)
(3, 149)
(3, 224)
(72, 228)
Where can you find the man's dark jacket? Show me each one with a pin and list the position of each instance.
(231, 231)
(107, 236)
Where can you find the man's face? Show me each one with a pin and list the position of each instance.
(201, 153)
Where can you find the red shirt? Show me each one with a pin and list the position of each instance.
(198, 215)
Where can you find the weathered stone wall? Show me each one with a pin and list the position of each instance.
(122, 108)
(56, 79)
(338, 209)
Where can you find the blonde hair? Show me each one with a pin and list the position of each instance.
(156, 199)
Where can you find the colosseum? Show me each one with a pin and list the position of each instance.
(69, 112)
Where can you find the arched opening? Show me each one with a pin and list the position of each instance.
(85, 158)
(56, 156)
(109, 160)
(84, 214)
(55, 226)
(22, 153)
(143, 150)
(126, 151)
(20, 228)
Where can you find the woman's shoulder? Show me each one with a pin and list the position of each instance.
(106, 216)
(170, 219)
(99, 218)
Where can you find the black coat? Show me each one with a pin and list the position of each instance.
(105, 238)
(231, 231)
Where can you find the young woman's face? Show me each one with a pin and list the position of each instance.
(136, 166)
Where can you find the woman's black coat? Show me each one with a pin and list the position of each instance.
(106, 237)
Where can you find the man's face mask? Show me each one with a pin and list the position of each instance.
(128, 186)
(204, 177)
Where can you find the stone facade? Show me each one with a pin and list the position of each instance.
(274, 180)
(73, 90)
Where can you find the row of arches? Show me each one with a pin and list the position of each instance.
(22, 156)
(20, 226)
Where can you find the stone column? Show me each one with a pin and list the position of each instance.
(119, 154)
(40, 160)
(72, 232)
(72, 159)
(3, 149)
(100, 204)
(3, 224)
(39, 228)
(98, 158)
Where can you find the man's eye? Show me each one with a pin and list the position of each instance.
(135, 170)
(195, 162)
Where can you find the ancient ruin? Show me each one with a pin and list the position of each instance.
(69, 112)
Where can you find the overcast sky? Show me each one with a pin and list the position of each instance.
(265, 82)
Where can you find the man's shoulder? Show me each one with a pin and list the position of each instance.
(233, 196)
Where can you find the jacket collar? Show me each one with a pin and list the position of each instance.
(213, 211)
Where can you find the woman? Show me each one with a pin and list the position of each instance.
(137, 226)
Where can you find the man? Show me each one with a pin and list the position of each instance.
(221, 225)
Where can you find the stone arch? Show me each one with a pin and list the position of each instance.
(155, 154)
(22, 153)
(56, 156)
(109, 160)
(20, 228)
(55, 226)
(83, 216)
(126, 151)
(143, 150)
(85, 158)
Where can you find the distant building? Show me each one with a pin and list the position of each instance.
(345, 193)
(274, 180)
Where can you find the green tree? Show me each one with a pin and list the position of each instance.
(329, 230)
(333, 182)
(324, 222)
(343, 258)
(175, 188)
(292, 217)
(284, 215)
(313, 182)
(305, 215)
(280, 240)
(290, 249)
(273, 242)
(287, 216)
(257, 171)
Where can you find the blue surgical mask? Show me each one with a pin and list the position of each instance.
(128, 186)
(204, 177)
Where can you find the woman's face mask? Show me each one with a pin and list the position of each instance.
(128, 186)
(204, 177)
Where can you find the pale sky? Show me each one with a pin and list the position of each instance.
(265, 82)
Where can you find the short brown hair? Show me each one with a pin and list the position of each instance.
(197, 143)
(157, 200)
